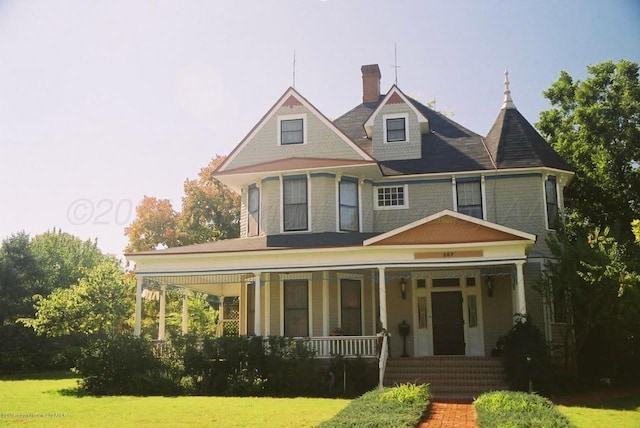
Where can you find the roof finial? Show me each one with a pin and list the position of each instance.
(508, 102)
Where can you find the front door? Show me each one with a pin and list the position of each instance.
(448, 323)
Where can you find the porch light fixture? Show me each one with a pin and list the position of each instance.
(490, 286)
(403, 288)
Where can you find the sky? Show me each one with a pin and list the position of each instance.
(105, 101)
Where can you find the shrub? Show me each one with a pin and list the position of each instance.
(513, 409)
(401, 406)
(525, 357)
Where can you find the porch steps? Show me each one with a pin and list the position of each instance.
(451, 379)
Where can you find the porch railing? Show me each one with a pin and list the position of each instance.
(346, 346)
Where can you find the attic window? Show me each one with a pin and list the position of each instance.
(396, 129)
(292, 129)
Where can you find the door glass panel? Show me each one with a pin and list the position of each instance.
(422, 312)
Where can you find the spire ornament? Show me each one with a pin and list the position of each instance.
(508, 102)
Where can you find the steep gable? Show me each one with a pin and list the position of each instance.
(293, 127)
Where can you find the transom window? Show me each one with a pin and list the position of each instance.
(291, 131)
(296, 308)
(253, 206)
(469, 197)
(551, 196)
(396, 129)
(348, 195)
(295, 207)
(391, 197)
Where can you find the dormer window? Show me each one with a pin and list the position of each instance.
(291, 129)
(395, 128)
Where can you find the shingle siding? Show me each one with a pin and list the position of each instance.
(397, 150)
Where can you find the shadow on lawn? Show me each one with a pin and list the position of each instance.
(613, 399)
(39, 376)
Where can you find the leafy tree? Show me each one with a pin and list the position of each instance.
(101, 302)
(595, 125)
(155, 225)
(210, 211)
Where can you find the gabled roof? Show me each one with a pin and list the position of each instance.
(449, 227)
(514, 143)
(296, 163)
(289, 98)
(395, 96)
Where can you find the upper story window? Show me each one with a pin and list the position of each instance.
(395, 128)
(295, 205)
(551, 197)
(349, 208)
(389, 197)
(469, 198)
(291, 130)
(253, 207)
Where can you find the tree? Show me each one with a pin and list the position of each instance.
(210, 211)
(595, 125)
(155, 225)
(101, 302)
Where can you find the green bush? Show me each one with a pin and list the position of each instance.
(401, 406)
(525, 357)
(513, 409)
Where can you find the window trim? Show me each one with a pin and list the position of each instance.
(352, 180)
(385, 133)
(253, 187)
(549, 178)
(483, 199)
(376, 200)
(354, 277)
(297, 277)
(288, 117)
(282, 203)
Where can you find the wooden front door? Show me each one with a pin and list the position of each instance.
(448, 323)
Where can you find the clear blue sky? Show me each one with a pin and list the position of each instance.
(103, 102)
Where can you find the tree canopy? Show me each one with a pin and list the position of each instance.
(210, 212)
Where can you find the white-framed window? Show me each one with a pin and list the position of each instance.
(395, 128)
(348, 205)
(253, 208)
(391, 197)
(469, 197)
(292, 129)
(295, 207)
(551, 201)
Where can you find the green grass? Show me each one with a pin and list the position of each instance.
(51, 401)
(513, 409)
(621, 412)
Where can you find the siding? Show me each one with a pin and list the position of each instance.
(397, 150)
(323, 203)
(497, 311)
(535, 307)
(322, 142)
(270, 206)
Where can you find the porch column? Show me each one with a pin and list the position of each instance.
(185, 311)
(161, 316)
(257, 322)
(382, 291)
(138, 317)
(521, 303)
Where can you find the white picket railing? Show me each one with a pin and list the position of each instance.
(345, 346)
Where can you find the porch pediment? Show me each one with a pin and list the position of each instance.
(449, 228)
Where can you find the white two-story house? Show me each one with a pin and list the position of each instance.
(390, 213)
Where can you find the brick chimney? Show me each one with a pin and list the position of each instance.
(370, 83)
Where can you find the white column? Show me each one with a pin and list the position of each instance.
(138, 317)
(382, 291)
(257, 326)
(521, 302)
(185, 311)
(161, 316)
(325, 304)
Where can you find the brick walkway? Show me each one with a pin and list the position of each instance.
(450, 415)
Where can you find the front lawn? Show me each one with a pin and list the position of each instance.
(621, 412)
(51, 401)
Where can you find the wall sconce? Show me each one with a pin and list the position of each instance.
(490, 286)
(403, 288)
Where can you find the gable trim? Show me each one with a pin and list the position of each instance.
(457, 215)
(286, 99)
